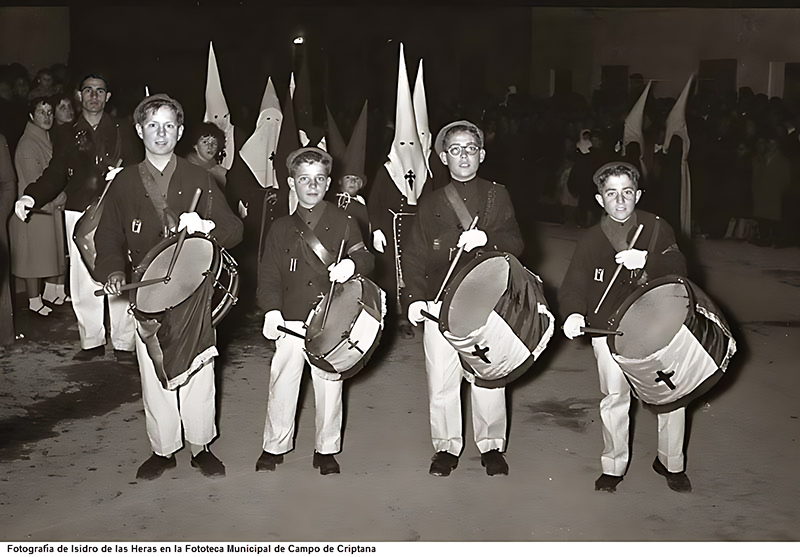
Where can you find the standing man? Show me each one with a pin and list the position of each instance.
(96, 149)
(601, 249)
(298, 268)
(438, 232)
(141, 210)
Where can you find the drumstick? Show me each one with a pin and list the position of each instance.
(429, 316)
(178, 246)
(32, 211)
(333, 284)
(454, 263)
(592, 330)
(182, 235)
(283, 329)
(619, 268)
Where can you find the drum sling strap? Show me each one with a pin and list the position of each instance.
(167, 216)
(314, 244)
(460, 207)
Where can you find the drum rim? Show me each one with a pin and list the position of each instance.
(447, 298)
(155, 251)
(613, 321)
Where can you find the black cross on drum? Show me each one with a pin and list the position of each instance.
(481, 353)
(665, 377)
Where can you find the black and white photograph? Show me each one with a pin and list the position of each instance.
(340, 276)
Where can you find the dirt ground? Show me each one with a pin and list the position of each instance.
(73, 435)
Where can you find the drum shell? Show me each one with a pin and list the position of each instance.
(509, 322)
(352, 330)
(689, 363)
(210, 259)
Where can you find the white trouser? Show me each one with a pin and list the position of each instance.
(90, 309)
(614, 415)
(191, 405)
(444, 396)
(285, 374)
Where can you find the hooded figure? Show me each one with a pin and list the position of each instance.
(633, 133)
(676, 125)
(258, 152)
(309, 134)
(217, 112)
(397, 188)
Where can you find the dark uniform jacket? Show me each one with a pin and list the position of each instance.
(436, 231)
(291, 278)
(593, 265)
(128, 208)
(81, 157)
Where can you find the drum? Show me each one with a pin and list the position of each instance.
(200, 258)
(495, 315)
(352, 329)
(675, 344)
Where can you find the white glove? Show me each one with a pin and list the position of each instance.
(22, 205)
(471, 239)
(378, 241)
(341, 271)
(193, 223)
(242, 209)
(572, 326)
(272, 320)
(632, 258)
(415, 312)
(113, 171)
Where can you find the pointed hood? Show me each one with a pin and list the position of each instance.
(309, 134)
(676, 120)
(334, 139)
(354, 156)
(406, 166)
(676, 125)
(217, 112)
(634, 122)
(421, 116)
(259, 151)
(288, 141)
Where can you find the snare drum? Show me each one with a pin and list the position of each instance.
(352, 329)
(675, 344)
(200, 258)
(495, 315)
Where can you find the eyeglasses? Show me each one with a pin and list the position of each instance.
(626, 194)
(457, 150)
(306, 180)
(209, 141)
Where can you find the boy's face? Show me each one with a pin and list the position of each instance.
(350, 184)
(160, 132)
(310, 182)
(619, 197)
(463, 156)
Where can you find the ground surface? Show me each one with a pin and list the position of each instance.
(73, 435)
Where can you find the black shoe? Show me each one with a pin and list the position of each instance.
(154, 466)
(607, 482)
(208, 464)
(126, 357)
(326, 463)
(268, 461)
(677, 481)
(494, 462)
(405, 330)
(443, 463)
(90, 354)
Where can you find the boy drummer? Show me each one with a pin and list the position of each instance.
(597, 255)
(297, 269)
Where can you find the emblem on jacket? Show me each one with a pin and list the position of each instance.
(598, 274)
(136, 226)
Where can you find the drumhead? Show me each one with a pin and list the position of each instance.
(651, 320)
(195, 259)
(475, 297)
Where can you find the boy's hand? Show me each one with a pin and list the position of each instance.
(573, 324)
(631, 259)
(378, 241)
(342, 271)
(272, 320)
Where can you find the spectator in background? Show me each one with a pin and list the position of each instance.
(771, 174)
(37, 246)
(44, 85)
(208, 142)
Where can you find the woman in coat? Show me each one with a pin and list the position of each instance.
(37, 246)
